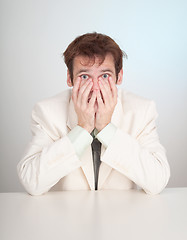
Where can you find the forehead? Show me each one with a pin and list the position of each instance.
(95, 62)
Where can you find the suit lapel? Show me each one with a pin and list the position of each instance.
(87, 167)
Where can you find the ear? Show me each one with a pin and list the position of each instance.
(69, 83)
(120, 77)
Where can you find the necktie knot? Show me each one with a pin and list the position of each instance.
(96, 144)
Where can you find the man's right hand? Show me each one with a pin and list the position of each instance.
(84, 109)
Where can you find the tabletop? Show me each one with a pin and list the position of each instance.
(94, 215)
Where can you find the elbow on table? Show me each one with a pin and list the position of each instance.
(154, 191)
(31, 186)
(158, 186)
(33, 190)
(35, 193)
(159, 180)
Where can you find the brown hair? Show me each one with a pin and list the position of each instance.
(92, 45)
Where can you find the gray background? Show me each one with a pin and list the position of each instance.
(34, 33)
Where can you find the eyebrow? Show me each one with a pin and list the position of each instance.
(107, 70)
(82, 70)
(87, 71)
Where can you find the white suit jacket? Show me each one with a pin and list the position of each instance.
(133, 158)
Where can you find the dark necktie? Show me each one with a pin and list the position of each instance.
(96, 152)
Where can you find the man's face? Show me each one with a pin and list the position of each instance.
(85, 69)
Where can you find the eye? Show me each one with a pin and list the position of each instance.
(84, 77)
(105, 76)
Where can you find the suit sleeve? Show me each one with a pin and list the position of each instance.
(45, 161)
(142, 158)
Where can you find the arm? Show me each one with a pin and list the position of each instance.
(142, 159)
(46, 161)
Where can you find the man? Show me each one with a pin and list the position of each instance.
(94, 136)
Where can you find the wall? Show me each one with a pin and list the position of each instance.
(34, 34)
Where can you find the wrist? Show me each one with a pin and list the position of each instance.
(87, 128)
(100, 128)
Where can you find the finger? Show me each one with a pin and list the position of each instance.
(106, 84)
(105, 92)
(85, 94)
(93, 99)
(82, 89)
(113, 88)
(99, 99)
(76, 88)
(78, 84)
(83, 82)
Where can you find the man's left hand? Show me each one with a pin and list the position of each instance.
(106, 102)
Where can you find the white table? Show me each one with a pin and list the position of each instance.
(85, 215)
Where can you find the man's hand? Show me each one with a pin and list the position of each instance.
(106, 102)
(83, 108)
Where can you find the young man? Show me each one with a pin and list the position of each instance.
(94, 136)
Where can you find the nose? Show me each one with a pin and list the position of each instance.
(95, 84)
